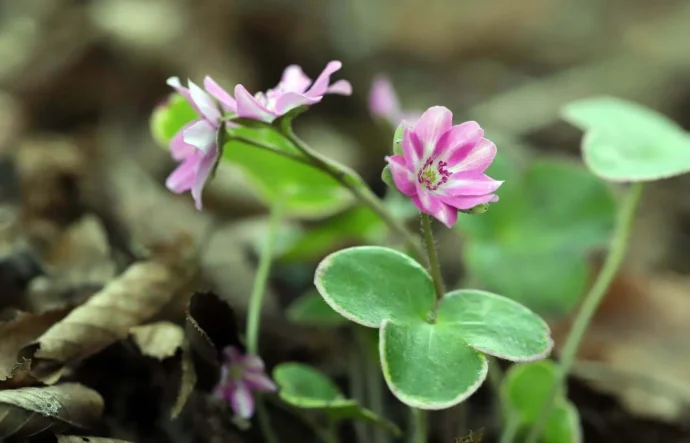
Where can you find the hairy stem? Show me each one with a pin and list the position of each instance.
(418, 423)
(591, 302)
(434, 267)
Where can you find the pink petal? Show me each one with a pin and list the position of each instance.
(253, 363)
(457, 141)
(205, 103)
(431, 126)
(478, 158)
(203, 170)
(182, 178)
(226, 101)
(174, 82)
(447, 215)
(290, 100)
(468, 184)
(233, 354)
(249, 107)
(200, 134)
(242, 401)
(341, 87)
(383, 101)
(412, 147)
(403, 176)
(468, 202)
(294, 79)
(427, 201)
(179, 150)
(259, 382)
(318, 89)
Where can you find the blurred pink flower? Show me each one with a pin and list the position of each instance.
(195, 146)
(442, 166)
(293, 91)
(384, 103)
(240, 375)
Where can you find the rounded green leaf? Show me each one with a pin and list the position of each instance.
(496, 325)
(368, 284)
(625, 141)
(170, 117)
(563, 425)
(428, 366)
(310, 310)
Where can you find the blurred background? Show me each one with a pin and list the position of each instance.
(80, 78)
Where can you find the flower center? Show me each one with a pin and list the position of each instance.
(269, 98)
(236, 372)
(433, 175)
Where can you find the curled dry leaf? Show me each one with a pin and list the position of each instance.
(107, 317)
(83, 439)
(159, 340)
(26, 412)
(187, 381)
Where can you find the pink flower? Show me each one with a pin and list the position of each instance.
(240, 375)
(384, 103)
(195, 146)
(442, 166)
(294, 90)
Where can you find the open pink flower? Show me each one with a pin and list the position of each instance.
(384, 103)
(442, 166)
(195, 146)
(240, 375)
(294, 90)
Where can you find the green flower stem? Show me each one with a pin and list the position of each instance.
(591, 302)
(434, 267)
(264, 421)
(357, 388)
(355, 184)
(418, 423)
(510, 429)
(373, 382)
(267, 147)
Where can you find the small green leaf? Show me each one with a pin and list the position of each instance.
(429, 366)
(368, 284)
(387, 178)
(563, 425)
(625, 141)
(285, 120)
(397, 139)
(496, 325)
(310, 310)
(170, 117)
(305, 387)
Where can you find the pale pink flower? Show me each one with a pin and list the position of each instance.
(384, 103)
(195, 146)
(240, 375)
(294, 90)
(442, 166)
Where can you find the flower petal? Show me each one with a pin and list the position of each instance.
(226, 101)
(468, 202)
(412, 147)
(427, 201)
(290, 100)
(383, 101)
(182, 178)
(341, 87)
(320, 86)
(203, 170)
(205, 103)
(253, 363)
(294, 79)
(174, 82)
(456, 142)
(179, 150)
(249, 107)
(431, 126)
(259, 382)
(447, 215)
(470, 184)
(241, 401)
(403, 175)
(200, 134)
(478, 158)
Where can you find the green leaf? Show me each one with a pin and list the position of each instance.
(305, 387)
(496, 325)
(563, 425)
(397, 139)
(387, 178)
(625, 141)
(310, 310)
(368, 284)
(532, 245)
(170, 117)
(358, 224)
(428, 366)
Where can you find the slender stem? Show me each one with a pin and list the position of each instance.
(510, 430)
(591, 302)
(418, 422)
(331, 434)
(273, 149)
(495, 377)
(356, 185)
(434, 266)
(372, 382)
(259, 288)
(357, 384)
(264, 421)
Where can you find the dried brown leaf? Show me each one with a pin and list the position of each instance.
(18, 332)
(26, 412)
(107, 317)
(83, 439)
(159, 340)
